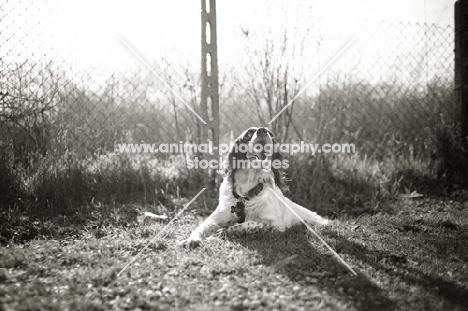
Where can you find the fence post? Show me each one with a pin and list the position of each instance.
(209, 101)
(461, 64)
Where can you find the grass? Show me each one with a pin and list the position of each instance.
(68, 230)
(412, 257)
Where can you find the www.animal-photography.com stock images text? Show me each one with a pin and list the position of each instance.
(234, 155)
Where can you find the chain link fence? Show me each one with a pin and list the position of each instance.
(391, 92)
(393, 88)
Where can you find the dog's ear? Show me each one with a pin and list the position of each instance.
(279, 174)
(227, 167)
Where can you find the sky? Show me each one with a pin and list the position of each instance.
(431, 11)
(87, 32)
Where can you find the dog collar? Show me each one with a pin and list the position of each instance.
(239, 208)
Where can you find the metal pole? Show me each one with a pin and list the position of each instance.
(209, 76)
(461, 64)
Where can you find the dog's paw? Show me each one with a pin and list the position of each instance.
(190, 243)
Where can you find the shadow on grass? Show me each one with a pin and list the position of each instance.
(22, 223)
(386, 279)
(312, 267)
(397, 266)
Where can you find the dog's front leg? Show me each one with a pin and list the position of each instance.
(217, 220)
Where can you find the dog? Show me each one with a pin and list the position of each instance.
(252, 191)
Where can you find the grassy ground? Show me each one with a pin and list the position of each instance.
(412, 255)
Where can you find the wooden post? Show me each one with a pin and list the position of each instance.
(209, 101)
(461, 64)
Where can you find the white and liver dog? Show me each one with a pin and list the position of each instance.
(252, 190)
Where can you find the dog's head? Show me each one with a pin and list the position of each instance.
(256, 144)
